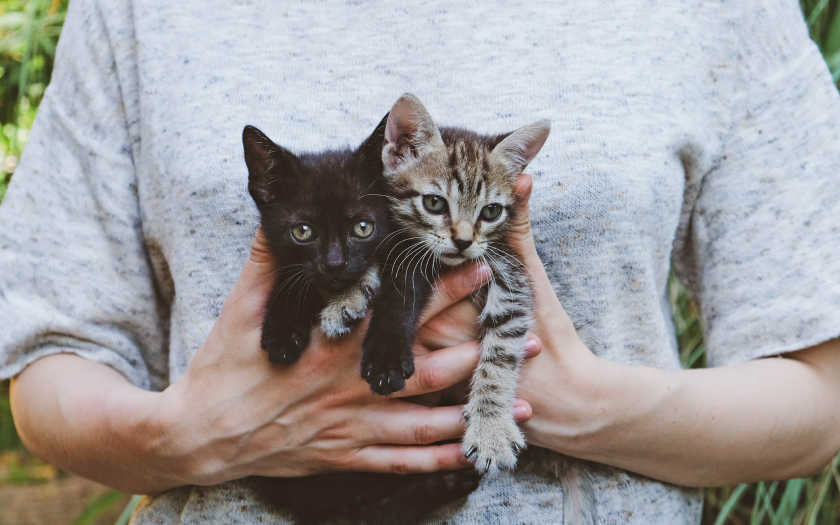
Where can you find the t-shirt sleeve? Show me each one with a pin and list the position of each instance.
(762, 241)
(74, 272)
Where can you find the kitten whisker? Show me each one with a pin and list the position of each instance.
(389, 236)
(510, 259)
(379, 195)
(394, 247)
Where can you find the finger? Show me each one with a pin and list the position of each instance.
(411, 460)
(249, 293)
(404, 423)
(521, 230)
(533, 346)
(455, 325)
(522, 410)
(441, 369)
(258, 266)
(454, 286)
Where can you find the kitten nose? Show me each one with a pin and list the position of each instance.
(335, 267)
(462, 244)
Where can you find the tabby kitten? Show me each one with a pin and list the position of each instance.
(324, 216)
(453, 201)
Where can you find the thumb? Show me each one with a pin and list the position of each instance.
(257, 276)
(520, 235)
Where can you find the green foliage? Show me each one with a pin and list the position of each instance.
(29, 31)
(99, 506)
(824, 22)
(9, 439)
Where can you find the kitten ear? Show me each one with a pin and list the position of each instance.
(409, 132)
(370, 152)
(266, 163)
(520, 147)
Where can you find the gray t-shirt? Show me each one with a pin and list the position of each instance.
(700, 133)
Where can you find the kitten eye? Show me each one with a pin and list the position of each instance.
(363, 229)
(491, 212)
(303, 232)
(434, 204)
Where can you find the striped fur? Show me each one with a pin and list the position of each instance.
(472, 172)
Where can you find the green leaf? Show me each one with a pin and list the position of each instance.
(730, 504)
(98, 507)
(126, 513)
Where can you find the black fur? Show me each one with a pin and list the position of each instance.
(331, 191)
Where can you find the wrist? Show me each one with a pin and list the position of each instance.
(568, 403)
(140, 422)
(622, 400)
(175, 443)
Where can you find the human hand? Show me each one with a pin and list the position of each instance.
(234, 414)
(558, 384)
(450, 320)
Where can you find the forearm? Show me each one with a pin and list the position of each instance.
(760, 420)
(86, 418)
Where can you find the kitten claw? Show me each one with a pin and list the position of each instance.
(384, 369)
(492, 443)
(283, 347)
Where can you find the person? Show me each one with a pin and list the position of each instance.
(703, 135)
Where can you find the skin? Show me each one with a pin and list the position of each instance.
(234, 414)
(765, 419)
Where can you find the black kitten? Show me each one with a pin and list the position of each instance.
(323, 221)
(327, 224)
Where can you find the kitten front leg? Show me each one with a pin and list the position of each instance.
(492, 438)
(287, 325)
(345, 310)
(387, 351)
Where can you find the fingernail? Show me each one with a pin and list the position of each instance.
(483, 272)
(520, 413)
(532, 347)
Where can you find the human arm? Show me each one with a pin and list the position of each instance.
(233, 414)
(767, 418)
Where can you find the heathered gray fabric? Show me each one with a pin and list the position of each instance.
(706, 127)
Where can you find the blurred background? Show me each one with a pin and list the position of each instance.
(34, 493)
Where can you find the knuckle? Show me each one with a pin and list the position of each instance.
(432, 377)
(442, 462)
(425, 434)
(435, 328)
(400, 465)
(343, 462)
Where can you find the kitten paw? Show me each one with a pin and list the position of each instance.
(384, 368)
(285, 349)
(492, 442)
(337, 319)
(348, 308)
